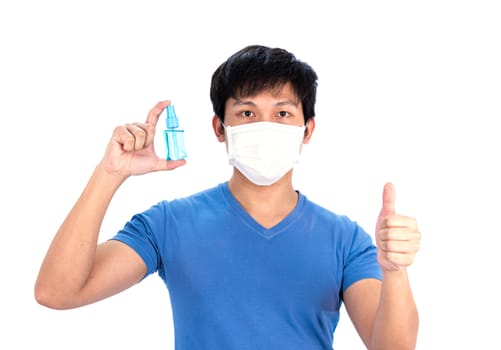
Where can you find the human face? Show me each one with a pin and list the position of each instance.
(275, 105)
(280, 106)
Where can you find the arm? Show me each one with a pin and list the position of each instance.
(384, 312)
(76, 270)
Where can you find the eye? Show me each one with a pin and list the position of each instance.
(247, 114)
(283, 114)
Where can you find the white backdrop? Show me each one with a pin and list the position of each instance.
(409, 92)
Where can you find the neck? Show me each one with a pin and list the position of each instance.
(268, 205)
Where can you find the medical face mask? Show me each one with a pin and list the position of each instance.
(264, 151)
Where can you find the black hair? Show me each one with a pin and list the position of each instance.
(256, 68)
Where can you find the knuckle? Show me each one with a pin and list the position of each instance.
(140, 132)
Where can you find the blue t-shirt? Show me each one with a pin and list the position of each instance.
(234, 284)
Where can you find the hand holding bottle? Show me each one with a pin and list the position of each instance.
(131, 149)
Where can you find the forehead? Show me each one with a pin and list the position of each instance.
(283, 93)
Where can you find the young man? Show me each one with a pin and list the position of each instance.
(250, 263)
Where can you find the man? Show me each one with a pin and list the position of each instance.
(250, 263)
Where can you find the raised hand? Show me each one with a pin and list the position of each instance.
(397, 236)
(131, 151)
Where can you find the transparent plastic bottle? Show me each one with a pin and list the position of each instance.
(174, 136)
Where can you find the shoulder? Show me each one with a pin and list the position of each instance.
(346, 234)
(206, 198)
(197, 203)
(328, 217)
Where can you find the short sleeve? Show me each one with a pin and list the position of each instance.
(139, 234)
(361, 261)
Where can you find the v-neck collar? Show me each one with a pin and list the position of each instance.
(249, 221)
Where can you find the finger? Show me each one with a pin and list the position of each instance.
(156, 111)
(397, 221)
(388, 200)
(398, 259)
(149, 129)
(399, 234)
(139, 136)
(123, 136)
(163, 164)
(399, 246)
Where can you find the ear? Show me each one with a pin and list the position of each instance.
(218, 128)
(310, 126)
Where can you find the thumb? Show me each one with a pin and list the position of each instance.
(164, 164)
(388, 200)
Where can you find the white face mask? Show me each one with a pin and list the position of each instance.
(264, 151)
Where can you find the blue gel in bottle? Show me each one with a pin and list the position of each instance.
(174, 136)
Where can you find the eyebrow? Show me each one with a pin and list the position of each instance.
(239, 102)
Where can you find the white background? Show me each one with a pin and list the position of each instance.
(409, 92)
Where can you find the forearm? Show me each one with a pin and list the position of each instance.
(70, 257)
(396, 323)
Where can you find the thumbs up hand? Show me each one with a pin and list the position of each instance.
(397, 236)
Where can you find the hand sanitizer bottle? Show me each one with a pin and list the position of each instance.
(174, 136)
